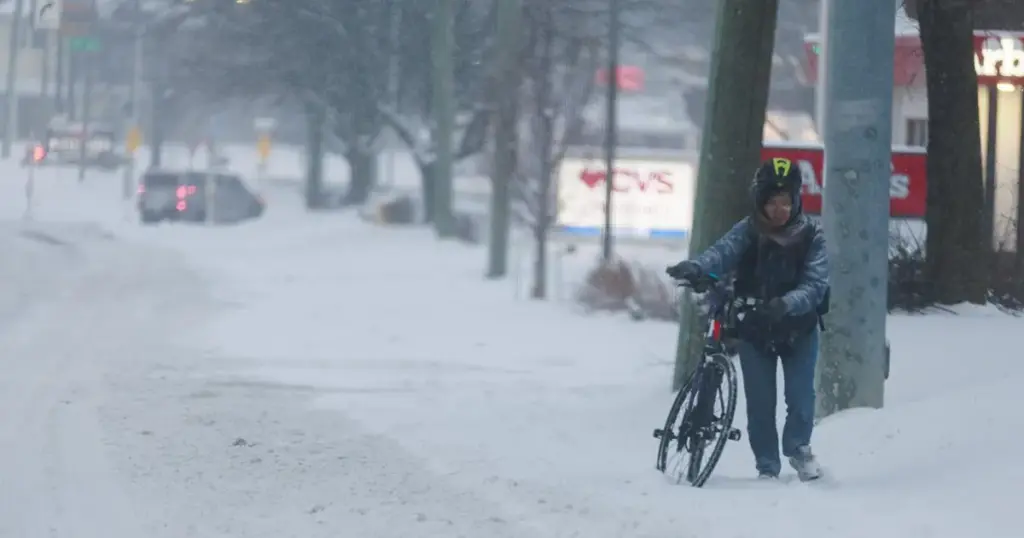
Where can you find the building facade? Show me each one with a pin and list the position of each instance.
(999, 61)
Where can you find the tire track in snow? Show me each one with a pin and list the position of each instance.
(57, 476)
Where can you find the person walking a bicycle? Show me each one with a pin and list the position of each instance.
(777, 258)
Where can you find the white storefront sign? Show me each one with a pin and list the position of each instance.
(652, 198)
(1001, 57)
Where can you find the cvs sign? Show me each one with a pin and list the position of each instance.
(628, 179)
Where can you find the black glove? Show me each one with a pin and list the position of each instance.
(774, 310)
(690, 273)
(685, 270)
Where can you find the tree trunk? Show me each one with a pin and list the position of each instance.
(957, 240)
(428, 170)
(543, 84)
(314, 157)
(542, 221)
(731, 142)
(362, 177)
(444, 117)
(506, 86)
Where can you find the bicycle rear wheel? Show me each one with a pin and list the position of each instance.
(699, 422)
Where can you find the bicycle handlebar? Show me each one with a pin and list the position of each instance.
(702, 282)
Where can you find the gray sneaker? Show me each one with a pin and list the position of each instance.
(767, 476)
(805, 464)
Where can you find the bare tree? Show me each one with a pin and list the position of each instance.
(412, 119)
(558, 65)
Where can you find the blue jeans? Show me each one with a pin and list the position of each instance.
(759, 373)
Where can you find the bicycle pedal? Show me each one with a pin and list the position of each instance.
(735, 434)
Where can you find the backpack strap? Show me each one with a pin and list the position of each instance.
(805, 247)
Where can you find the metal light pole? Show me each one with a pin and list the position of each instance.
(858, 156)
(128, 182)
(611, 126)
(393, 74)
(89, 65)
(14, 49)
(819, 90)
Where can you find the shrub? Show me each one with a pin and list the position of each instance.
(620, 285)
(910, 291)
(908, 288)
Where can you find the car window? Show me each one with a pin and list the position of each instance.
(232, 185)
(161, 180)
(234, 201)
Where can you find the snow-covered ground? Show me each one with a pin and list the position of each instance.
(312, 375)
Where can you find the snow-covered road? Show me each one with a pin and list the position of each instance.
(83, 317)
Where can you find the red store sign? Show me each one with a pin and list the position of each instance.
(908, 188)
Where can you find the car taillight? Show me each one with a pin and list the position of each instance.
(141, 189)
(181, 206)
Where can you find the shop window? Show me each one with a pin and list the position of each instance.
(917, 133)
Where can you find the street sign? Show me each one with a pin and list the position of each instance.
(77, 17)
(264, 125)
(48, 14)
(134, 139)
(85, 44)
(263, 146)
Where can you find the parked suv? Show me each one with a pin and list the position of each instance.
(182, 196)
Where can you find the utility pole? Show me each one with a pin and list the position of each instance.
(74, 74)
(14, 49)
(858, 157)
(505, 130)
(133, 130)
(611, 129)
(158, 100)
(89, 66)
(393, 76)
(737, 101)
(61, 75)
(819, 90)
(444, 116)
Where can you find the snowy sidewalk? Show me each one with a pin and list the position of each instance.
(545, 416)
(313, 376)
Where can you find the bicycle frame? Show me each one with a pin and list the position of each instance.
(719, 305)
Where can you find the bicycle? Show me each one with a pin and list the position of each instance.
(701, 425)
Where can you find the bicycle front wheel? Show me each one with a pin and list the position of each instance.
(719, 395)
(700, 423)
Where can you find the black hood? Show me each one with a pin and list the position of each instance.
(760, 192)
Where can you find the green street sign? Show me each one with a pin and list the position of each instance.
(85, 44)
